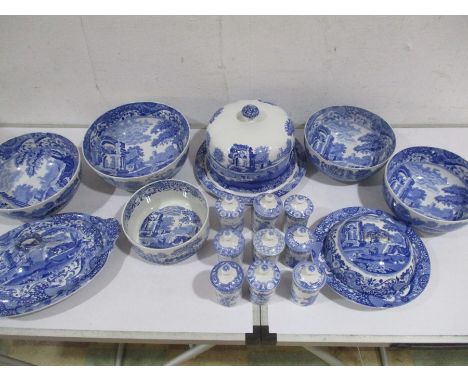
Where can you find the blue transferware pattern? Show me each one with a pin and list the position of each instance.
(348, 143)
(174, 248)
(263, 277)
(298, 209)
(39, 172)
(230, 210)
(268, 244)
(229, 245)
(266, 210)
(43, 262)
(136, 140)
(412, 290)
(169, 226)
(299, 241)
(227, 278)
(279, 186)
(250, 111)
(307, 280)
(428, 188)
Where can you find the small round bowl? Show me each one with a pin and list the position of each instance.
(39, 174)
(136, 144)
(427, 187)
(348, 143)
(166, 221)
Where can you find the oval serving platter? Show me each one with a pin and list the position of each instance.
(43, 262)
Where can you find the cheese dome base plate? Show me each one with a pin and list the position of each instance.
(407, 294)
(280, 186)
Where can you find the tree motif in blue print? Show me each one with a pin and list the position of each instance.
(218, 155)
(243, 158)
(215, 115)
(289, 127)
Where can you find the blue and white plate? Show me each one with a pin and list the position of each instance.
(39, 173)
(43, 262)
(428, 188)
(279, 186)
(403, 296)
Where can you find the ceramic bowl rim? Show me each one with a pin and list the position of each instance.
(330, 162)
(59, 192)
(140, 177)
(176, 247)
(411, 209)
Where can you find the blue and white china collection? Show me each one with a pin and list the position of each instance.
(229, 245)
(250, 156)
(263, 278)
(230, 211)
(266, 210)
(298, 209)
(227, 278)
(166, 221)
(299, 243)
(308, 278)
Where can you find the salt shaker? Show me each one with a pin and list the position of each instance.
(266, 209)
(263, 277)
(298, 209)
(229, 245)
(268, 244)
(308, 278)
(227, 278)
(299, 242)
(230, 210)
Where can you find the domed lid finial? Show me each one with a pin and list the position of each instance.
(250, 111)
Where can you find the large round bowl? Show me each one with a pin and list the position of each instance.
(39, 174)
(136, 144)
(427, 187)
(348, 143)
(166, 221)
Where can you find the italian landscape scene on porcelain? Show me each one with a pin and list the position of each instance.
(348, 143)
(428, 188)
(135, 144)
(45, 261)
(39, 173)
(371, 258)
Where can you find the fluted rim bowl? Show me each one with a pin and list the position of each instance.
(159, 139)
(166, 221)
(39, 173)
(349, 142)
(428, 188)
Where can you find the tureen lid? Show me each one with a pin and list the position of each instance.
(269, 241)
(229, 242)
(308, 276)
(249, 131)
(263, 275)
(229, 206)
(268, 205)
(299, 238)
(298, 206)
(227, 276)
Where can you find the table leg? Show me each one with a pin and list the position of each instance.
(9, 361)
(189, 354)
(324, 355)
(119, 355)
(383, 356)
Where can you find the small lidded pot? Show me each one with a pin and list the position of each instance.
(227, 278)
(308, 278)
(268, 244)
(263, 277)
(229, 245)
(266, 209)
(230, 211)
(300, 242)
(298, 209)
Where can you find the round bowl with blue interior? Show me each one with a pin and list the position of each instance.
(166, 221)
(348, 143)
(39, 174)
(136, 144)
(427, 187)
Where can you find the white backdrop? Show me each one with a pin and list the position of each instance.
(69, 70)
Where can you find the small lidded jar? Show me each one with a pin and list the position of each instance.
(263, 277)
(307, 281)
(266, 209)
(299, 242)
(227, 278)
(229, 245)
(268, 244)
(230, 211)
(298, 209)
